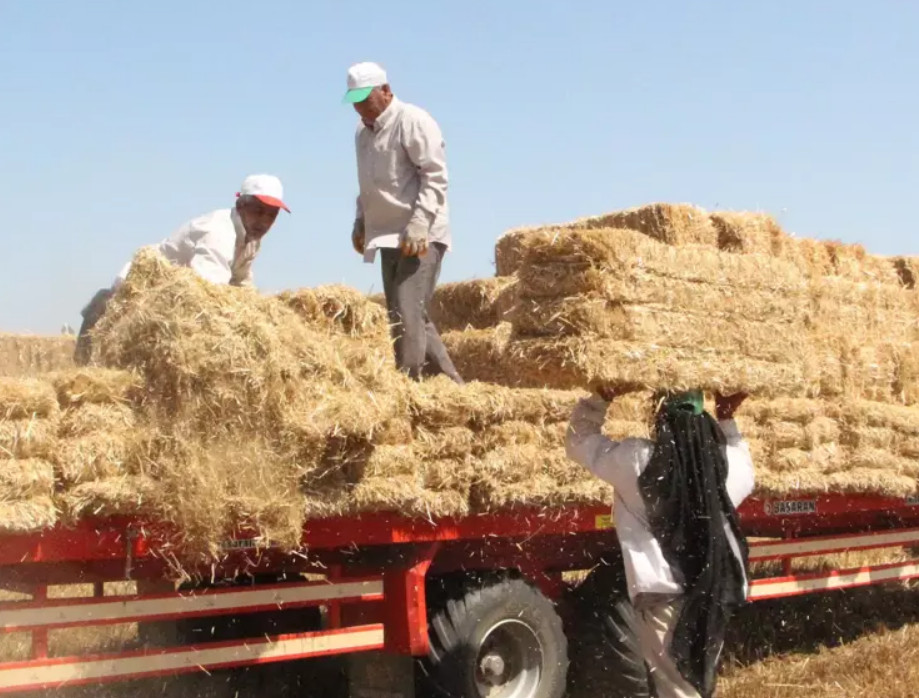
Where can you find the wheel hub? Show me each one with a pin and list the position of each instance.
(509, 662)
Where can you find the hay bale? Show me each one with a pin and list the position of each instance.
(479, 354)
(26, 478)
(674, 295)
(27, 516)
(907, 270)
(441, 403)
(406, 496)
(450, 442)
(574, 262)
(509, 251)
(27, 438)
(24, 355)
(746, 232)
(801, 410)
(94, 418)
(97, 386)
(24, 398)
(531, 476)
(846, 308)
(479, 304)
(883, 460)
(904, 420)
(118, 496)
(519, 433)
(572, 363)
(93, 457)
(673, 224)
(340, 310)
(854, 262)
(811, 257)
(769, 341)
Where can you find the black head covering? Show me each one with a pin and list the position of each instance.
(683, 488)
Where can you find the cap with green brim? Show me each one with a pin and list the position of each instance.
(362, 78)
(358, 95)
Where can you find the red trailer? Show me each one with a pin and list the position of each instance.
(475, 598)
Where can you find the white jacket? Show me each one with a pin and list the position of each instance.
(214, 245)
(620, 463)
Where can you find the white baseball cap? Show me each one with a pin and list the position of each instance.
(362, 78)
(266, 188)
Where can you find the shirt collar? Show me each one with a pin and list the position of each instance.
(390, 113)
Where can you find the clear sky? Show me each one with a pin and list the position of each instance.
(121, 120)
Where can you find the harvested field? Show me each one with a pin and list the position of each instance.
(29, 355)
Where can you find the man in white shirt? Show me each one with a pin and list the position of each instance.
(675, 514)
(402, 211)
(220, 246)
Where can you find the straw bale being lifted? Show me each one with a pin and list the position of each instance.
(478, 304)
(30, 355)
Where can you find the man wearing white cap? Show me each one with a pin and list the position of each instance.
(220, 246)
(402, 212)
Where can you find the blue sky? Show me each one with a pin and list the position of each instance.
(121, 120)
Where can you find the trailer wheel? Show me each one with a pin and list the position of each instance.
(499, 641)
(606, 659)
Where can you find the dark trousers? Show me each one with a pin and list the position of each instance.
(409, 283)
(92, 313)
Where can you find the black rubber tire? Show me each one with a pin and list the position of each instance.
(605, 656)
(458, 629)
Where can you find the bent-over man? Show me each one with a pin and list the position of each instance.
(220, 246)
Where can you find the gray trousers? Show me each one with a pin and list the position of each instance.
(92, 313)
(408, 283)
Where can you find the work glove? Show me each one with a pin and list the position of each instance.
(415, 239)
(727, 405)
(357, 235)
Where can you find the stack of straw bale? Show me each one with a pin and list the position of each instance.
(28, 421)
(214, 407)
(29, 355)
(219, 407)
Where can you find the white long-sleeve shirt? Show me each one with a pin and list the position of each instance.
(214, 245)
(402, 174)
(620, 464)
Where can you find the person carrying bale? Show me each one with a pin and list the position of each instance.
(676, 519)
(402, 211)
(220, 246)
